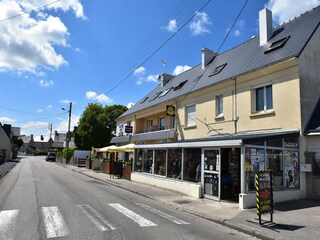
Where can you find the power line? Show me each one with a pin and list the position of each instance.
(26, 12)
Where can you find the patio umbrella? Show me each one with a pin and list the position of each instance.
(111, 148)
(126, 148)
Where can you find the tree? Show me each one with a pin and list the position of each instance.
(97, 125)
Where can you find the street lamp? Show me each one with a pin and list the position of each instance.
(68, 133)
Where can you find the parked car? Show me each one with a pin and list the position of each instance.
(51, 156)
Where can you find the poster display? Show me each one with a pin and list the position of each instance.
(291, 169)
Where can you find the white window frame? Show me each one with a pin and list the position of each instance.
(190, 120)
(254, 98)
(164, 123)
(219, 112)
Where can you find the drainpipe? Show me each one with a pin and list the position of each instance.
(235, 120)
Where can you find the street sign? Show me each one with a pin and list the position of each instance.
(264, 193)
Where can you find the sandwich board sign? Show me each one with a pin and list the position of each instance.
(264, 193)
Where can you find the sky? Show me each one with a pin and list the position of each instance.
(110, 51)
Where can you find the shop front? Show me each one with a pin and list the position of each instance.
(223, 170)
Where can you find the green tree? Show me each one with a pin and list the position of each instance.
(97, 125)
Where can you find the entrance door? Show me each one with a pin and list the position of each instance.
(211, 173)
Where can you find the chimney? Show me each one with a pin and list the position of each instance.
(265, 25)
(164, 78)
(207, 56)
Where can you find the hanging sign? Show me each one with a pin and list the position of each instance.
(264, 193)
(128, 129)
(171, 110)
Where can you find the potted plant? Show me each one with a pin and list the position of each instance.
(88, 163)
(107, 166)
(96, 164)
(128, 169)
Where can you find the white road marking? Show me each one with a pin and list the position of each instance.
(96, 218)
(54, 223)
(7, 219)
(162, 214)
(132, 215)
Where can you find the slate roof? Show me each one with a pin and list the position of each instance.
(242, 59)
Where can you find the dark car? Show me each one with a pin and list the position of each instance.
(51, 156)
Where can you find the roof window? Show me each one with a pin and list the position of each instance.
(277, 44)
(155, 96)
(180, 85)
(217, 70)
(165, 92)
(145, 99)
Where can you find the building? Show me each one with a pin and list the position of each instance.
(5, 143)
(207, 131)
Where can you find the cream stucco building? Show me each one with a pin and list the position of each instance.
(207, 131)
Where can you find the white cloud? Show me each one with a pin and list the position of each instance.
(152, 78)
(284, 10)
(130, 105)
(139, 71)
(77, 50)
(7, 120)
(40, 110)
(44, 83)
(236, 33)
(63, 125)
(199, 25)
(27, 42)
(172, 26)
(49, 106)
(35, 125)
(139, 82)
(66, 101)
(180, 69)
(102, 98)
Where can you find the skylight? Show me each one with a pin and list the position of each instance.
(145, 99)
(165, 92)
(155, 96)
(180, 85)
(218, 69)
(277, 44)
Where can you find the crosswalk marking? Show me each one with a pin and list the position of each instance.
(162, 214)
(54, 223)
(7, 219)
(132, 215)
(96, 218)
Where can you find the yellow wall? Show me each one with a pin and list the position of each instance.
(286, 105)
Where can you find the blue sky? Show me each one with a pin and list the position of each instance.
(109, 51)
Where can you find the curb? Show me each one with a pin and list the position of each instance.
(222, 222)
(7, 170)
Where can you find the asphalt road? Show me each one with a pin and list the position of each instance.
(40, 200)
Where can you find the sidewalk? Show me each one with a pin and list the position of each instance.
(298, 219)
(7, 166)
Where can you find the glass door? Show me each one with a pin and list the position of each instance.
(211, 173)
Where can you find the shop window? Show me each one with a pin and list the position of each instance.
(160, 162)
(291, 168)
(316, 165)
(291, 143)
(138, 160)
(174, 163)
(274, 143)
(262, 99)
(275, 163)
(192, 165)
(190, 115)
(148, 161)
(255, 161)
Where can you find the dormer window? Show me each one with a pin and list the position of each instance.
(180, 85)
(277, 44)
(218, 69)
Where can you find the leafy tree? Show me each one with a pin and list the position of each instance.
(97, 125)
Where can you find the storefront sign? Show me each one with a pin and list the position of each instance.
(264, 193)
(128, 129)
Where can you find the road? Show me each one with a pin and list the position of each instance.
(42, 200)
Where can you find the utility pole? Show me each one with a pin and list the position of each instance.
(68, 133)
(50, 140)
